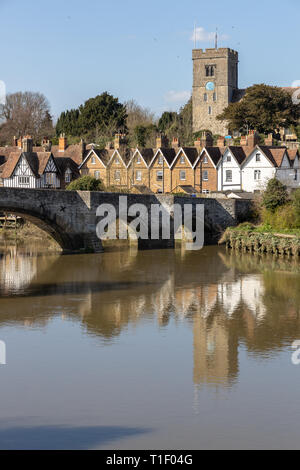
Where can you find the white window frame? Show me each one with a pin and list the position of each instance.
(228, 179)
(258, 157)
(159, 175)
(117, 175)
(182, 175)
(138, 175)
(205, 172)
(24, 180)
(257, 175)
(93, 160)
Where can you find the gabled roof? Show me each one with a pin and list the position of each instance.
(72, 151)
(238, 153)
(37, 162)
(214, 153)
(293, 153)
(191, 153)
(146, 155)
(9, 166)
(168, 153)
(64, 162)
(125, 156)
(274, 154)
(104, 156)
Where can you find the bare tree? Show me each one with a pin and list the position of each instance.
(25, 113)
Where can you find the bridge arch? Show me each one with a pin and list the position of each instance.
(48, 226)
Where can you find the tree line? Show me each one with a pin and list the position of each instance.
(263, 108)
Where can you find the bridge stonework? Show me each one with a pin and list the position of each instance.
(70, 216)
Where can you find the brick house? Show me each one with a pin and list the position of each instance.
(182, 168)
(205, 167)
(138, 168)
(117, 174)
(95, 164)
(160, 170)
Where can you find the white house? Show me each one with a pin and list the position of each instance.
(229, 169)
(31, 170)
(264, 163)
(295, 164)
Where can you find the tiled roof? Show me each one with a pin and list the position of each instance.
(274, 154)
(169, 154)
(104, 154)
(10, 165)
(214, 153)
(36, 161)
(239, 153)
(293, 153)
(147, 155)
(72, 151)
(64, 162)
(192, 154)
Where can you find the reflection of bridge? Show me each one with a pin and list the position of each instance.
(70, 217)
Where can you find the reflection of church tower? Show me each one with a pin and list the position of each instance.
(215, 352)
(215, 81)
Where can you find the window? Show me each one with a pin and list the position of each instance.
(138, 175)
(257, 157)
(228, 158)
(205, 191)
(23, 180)
(159, 175)
(182, 159)
(117, 161)
(209, 110)
(117, 175)
(296, 175)
(68, 176)
(228, 176)
(138, 159)
(205, 160)
(210, 70)
(93, 160)
(215, 96)
(205, 175)
(160, 160)
(257, 175)
(50, 179)
(182, 175)
(97, 174)
(205, 97)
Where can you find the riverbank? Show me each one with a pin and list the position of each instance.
(262, 239)
(25, 233)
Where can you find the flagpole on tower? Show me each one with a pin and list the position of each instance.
(195, 35)
(216, 39)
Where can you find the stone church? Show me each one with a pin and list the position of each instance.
(215, 85)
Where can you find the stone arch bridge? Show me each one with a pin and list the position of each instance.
(70, 216)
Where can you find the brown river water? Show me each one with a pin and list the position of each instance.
(166, 349)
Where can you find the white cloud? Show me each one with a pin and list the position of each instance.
(296, 83)
(206, 36)
(177, 96)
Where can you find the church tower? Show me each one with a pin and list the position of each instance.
(215, 81)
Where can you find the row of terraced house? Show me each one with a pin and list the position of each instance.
(201, 169)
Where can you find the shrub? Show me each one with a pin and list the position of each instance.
(275, 195)
(86, 183)
(296, 205)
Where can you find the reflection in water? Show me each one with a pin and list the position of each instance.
(226, 300)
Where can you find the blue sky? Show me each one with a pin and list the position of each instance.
(72, 50)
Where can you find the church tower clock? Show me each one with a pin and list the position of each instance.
(215, 83)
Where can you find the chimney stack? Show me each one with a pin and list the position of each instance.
(161, 142)
(198, 144)
(175, 143)
(269, 141)
(15, 142)
(46, 144)
(62, 143)
(221, 142)
(120, 142)
(206, 140)
(83, 148)
(27, 144)
(19, 142)
(244, 141)
(253, 139)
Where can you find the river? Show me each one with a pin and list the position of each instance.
(166, 349)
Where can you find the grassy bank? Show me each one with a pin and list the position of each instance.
(26, 233)
(262, 239)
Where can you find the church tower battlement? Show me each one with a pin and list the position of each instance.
(215, 80)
